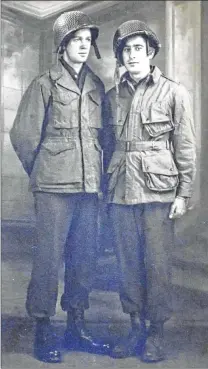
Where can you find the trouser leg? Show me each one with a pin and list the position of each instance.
(143, 237)
(81, 249)
(130, 264)
(53, 217)
(158, 232)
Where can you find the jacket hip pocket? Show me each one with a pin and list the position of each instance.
(160, 171)
(58, 163)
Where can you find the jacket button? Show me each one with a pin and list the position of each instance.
(171, 169)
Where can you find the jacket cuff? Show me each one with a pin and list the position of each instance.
(184, 189)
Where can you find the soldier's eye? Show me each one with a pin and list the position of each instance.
(138, 48)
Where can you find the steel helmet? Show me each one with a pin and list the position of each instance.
(69, 22)
(132, 28)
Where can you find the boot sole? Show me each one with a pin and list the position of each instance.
(43, 358)
(152, 361)
(131, 353)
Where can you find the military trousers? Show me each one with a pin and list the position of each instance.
(66, 233)
(143, 236)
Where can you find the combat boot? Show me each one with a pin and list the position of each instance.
(46, 346)
(154, 346)
(133, 344)
(78, 337)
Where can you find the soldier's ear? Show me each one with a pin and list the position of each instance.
(151, 53)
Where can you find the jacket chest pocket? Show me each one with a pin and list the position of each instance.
(94, 105)
(65, 110)
(160, 171)
(156, 120)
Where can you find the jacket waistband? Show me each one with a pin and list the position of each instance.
(141, 145)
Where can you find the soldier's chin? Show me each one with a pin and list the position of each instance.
(83, 57)
(134, 69)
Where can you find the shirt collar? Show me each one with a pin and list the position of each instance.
(71, 70)
(153, 76)
(79, 78)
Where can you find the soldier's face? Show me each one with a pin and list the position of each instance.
(78, 48)
(135, 57)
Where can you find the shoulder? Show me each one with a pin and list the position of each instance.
(178, 88)
(40, 80)
(172, 81)
(43, 79)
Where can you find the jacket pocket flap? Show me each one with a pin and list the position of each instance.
(72, 122)
(159, 164)
(64, 98)
(154, 117)
(56, 147)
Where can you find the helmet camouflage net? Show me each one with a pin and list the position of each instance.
(69, 22)
(133, 28)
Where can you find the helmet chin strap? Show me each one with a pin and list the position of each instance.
(97, 53)
(61, 49)
(117, 80)
(58, 54)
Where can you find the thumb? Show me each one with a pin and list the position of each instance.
(172, 210)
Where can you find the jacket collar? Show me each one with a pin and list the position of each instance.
(154, 75)
(60, 76)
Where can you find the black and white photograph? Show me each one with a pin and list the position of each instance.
(104, 168)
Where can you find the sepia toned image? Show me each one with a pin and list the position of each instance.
(104, 206)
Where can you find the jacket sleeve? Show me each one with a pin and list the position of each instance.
(107, 139)
(108, 134)
(26, 131)
(184, 142)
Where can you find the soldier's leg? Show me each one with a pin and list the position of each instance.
(53, 215)
(80, 267)
(53, 218)
(80, 253)
(127, 239)
(159, 241)
(158, 232)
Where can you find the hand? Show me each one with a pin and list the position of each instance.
(178, 208)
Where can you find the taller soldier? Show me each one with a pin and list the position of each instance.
(56, 135)
(150, 165)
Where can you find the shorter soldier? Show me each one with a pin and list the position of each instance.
(150, 166)
(56, 135)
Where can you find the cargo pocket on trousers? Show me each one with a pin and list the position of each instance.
(160, 172)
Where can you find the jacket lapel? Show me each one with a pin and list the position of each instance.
(89, 84)
(60, 76)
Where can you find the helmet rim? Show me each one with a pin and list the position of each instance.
(91, 27)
